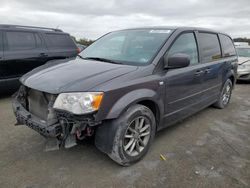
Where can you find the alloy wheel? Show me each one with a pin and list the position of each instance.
(226, 94)
(137, 136)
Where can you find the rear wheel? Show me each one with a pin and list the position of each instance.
(225, 95)
(134, 133)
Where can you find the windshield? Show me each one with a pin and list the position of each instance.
(134, 47)
(243, 52)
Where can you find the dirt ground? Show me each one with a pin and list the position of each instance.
(209, 149)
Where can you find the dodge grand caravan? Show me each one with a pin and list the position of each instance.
(126, 86)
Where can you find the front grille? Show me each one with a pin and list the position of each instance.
(38, 103)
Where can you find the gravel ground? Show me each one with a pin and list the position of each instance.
(209, 149)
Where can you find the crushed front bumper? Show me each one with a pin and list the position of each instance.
(26, 118)
(60, 128)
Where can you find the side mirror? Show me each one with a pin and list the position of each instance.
(178, 60)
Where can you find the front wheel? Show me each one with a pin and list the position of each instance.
(225, 95)
(134, 133)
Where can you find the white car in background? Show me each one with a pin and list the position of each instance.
(244, 62)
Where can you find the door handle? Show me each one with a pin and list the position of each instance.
(198, 72)
(207, 71)
(43, 55)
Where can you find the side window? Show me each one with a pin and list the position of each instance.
(1, 42)
(227, 46)
(59, 41)
(20, 40)
(210, 47)
(185, 43)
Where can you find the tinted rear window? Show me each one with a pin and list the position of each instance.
(59, 41)
(227, 46)
(21, 40)
(210, 47)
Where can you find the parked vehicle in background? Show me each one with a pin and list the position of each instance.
(23, 48)
(81, 47)
(241, 44)
(244, 62)
(126, 86)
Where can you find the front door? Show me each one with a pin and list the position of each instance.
(184, 85)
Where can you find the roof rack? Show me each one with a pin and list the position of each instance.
(29, 27)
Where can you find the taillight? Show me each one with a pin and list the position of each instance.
(78, 50)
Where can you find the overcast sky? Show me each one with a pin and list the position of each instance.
(93, 18)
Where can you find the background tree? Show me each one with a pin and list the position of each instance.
(242, 40)
(83, 41)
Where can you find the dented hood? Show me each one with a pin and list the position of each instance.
(73, 76)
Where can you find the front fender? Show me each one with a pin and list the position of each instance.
(133, 97)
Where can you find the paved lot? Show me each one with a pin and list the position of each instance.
(209, 149)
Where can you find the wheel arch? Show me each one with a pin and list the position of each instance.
(232, 78)
(230, 75)
(153, 106)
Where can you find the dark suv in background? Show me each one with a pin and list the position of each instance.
(22, 48)
(126, 86)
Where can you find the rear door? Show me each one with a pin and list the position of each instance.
(23, 52)
(229, 54)
(60, 45)
(184, 85)
(213, 63)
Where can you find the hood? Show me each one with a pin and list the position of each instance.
(73, 76)
(242, 60)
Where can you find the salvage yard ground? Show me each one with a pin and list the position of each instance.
(209, 149)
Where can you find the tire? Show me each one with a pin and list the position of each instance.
(134, 132)
(225, 95)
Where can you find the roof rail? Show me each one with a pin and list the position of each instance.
(28, 27)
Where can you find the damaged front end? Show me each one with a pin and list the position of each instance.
(34, 109)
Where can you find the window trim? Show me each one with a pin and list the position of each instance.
(196, 41)
(217, 35)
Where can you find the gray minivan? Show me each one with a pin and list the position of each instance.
(126, 86)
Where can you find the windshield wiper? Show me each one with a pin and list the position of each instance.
(101, 59)
(80, 56)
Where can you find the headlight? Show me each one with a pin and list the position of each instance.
(79, 103)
